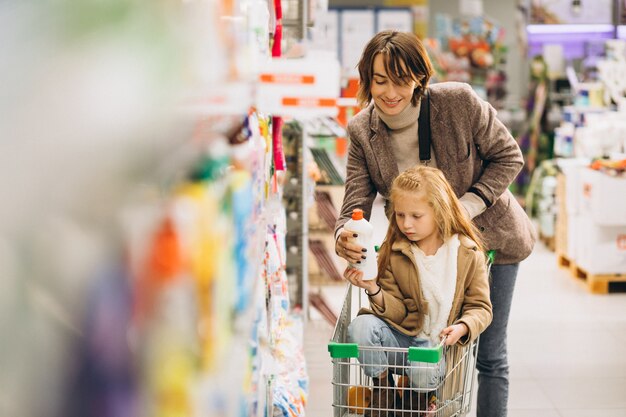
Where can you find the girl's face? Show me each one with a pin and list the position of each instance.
(416, 218)
(390, 98)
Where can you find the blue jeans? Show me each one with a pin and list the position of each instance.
(369, 330)
(492, 363)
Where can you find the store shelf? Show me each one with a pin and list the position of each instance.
(569, 29)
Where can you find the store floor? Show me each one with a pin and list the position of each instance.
(567, 347)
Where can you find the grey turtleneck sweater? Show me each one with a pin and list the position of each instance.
(405, 146)
(404, 138)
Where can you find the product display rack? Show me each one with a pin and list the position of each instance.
(142, 286)
(295, 194)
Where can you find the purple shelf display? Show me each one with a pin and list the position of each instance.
(573, 38)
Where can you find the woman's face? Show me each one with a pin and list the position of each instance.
(391, 98)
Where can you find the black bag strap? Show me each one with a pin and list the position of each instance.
(423, 132)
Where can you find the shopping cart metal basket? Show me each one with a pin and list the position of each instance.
(423, 381)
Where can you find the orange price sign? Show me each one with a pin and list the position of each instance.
(309, 102)
(287, 79)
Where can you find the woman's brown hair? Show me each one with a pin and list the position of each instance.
(432, 185)
(406, 60)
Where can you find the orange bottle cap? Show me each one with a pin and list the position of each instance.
(357, 214)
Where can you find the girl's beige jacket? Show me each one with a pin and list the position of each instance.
(404, 305)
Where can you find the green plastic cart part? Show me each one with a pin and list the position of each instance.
(426, 354)
(343, 350)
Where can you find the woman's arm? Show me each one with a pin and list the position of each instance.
(501, 155)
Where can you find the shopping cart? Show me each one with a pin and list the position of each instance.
(423, 381)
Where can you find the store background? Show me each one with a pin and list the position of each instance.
(169, 191)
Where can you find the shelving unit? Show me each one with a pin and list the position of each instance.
(143, 206)
(330, 270)
(295, 202)
(574, 35)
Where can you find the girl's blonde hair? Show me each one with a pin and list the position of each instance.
(449, 215)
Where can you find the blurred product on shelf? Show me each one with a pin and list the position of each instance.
(326, 209)
(319, 302)
(471, 50)
(190, 320)
(143, 239)
(323, 259)
(330, 174)
(535, 140)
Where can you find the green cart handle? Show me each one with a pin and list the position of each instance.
(416, 354)
(431, 354)
(343, 350)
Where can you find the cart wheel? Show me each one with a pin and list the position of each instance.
(359, 399)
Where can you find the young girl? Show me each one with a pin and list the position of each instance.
(432, 281)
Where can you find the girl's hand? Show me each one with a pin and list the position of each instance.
(454, 333)
(355, 277)
(347, 249)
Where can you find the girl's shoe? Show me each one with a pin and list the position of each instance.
(413, 404)
(383, 403)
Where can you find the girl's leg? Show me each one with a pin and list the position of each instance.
(423, 377)
(369, 330)
(492, 364)
(426, 375)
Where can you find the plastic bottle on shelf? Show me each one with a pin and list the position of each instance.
(364, 230)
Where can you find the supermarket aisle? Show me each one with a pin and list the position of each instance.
(567, 347)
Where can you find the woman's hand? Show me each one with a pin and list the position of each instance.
(355, 277)
(454, 333)
(348, 250)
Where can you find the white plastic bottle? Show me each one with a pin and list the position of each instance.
(364, 230)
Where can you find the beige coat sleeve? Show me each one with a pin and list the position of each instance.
(394, 308)
(476, 312)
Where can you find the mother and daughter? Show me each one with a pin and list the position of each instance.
(443, 162)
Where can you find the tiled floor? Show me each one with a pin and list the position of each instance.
(567, 347)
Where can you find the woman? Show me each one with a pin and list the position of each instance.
(405, 122)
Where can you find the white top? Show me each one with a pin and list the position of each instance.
(437, 275)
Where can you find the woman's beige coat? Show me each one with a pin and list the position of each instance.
(404, 304)
(472, 148)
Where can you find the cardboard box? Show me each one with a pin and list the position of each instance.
(603, 198)
(572, 169)
(600, 249)
(573, 246)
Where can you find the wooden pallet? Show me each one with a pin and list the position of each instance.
(594, 283)
(599, 283)
(563, 261)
